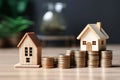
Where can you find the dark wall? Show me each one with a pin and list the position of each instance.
(81, 12)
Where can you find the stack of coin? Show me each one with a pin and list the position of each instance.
(80, 58)
(93, 59)
(63, 61)
(48, 62)
(72, 57)
(106, 58)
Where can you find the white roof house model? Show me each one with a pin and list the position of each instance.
(93, 38)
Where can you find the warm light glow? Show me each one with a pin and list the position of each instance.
(48, 15)
(58, 7)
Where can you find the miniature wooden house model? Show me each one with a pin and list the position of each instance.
(93, 38)
(29, 51)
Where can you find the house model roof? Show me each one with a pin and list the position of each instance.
(97, 29)
(32, 36)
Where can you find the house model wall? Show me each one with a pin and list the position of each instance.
(93, 38)
(29, 51)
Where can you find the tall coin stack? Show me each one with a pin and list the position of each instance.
(63, 61)
(80, 58)
(48, 62)
(93, 59)
(106, 58)
(72, 57)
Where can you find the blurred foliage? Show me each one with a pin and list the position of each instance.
(9, 26)
(12, 7)
(12, 18)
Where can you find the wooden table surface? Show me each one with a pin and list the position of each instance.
(9, 57)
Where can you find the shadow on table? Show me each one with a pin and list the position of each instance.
(115, 65)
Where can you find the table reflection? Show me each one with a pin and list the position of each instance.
(63, 74)
(45, 72)
(91, 74)
(103, 74)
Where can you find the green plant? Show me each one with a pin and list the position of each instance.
(12, 8)
(9, 27)
(12, 20)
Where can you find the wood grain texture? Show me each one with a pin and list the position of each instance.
(9, 57)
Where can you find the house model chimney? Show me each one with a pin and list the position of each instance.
(99, 25)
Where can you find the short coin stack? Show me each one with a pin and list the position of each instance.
(48, 62)
(80, 58)
(72, 57)
(106, 58)
(93, 59)
(63, 61)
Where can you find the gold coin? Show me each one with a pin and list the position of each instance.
(106, 54)
(48, 62)
(80, 53)
(93, 52)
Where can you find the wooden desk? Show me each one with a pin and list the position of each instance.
(9, 57)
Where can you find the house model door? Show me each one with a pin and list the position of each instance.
(89, 46)
(27, 60)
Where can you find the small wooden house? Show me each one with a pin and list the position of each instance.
(29, 51)
(93, 38)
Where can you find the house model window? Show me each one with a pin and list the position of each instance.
(27, 59)
(93, 42)
(26, 51)
(30, 49)
(84, 42)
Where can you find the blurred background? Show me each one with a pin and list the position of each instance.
(51, 19)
